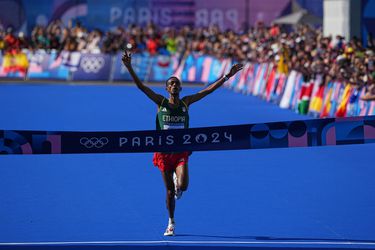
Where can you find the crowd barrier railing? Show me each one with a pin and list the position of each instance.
(313, 97)
(77, 66)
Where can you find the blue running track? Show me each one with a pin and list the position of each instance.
(291, 198)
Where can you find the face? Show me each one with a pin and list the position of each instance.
(173, 86)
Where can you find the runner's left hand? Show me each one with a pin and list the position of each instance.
(235, 68)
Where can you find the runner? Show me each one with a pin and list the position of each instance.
(173, 114)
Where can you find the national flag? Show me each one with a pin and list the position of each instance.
(296, 92)
(15, 64)
(342, 108)
(316, 103)
(338, 88)
(258, 79)
(352, 109)
(363, 106)
(317, 100)
(327, 105)
(251, 77)
(241, 86)
(263, 80)
(289, 88)
(304, 99)
(371, 110)
(249, 81)
(270, 83)
(280, 86)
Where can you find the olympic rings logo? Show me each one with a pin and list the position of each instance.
(92, 64)
(94, 142)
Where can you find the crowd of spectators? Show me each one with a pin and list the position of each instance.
(304, 49)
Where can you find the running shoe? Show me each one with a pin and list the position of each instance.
(177, 191)
(170, 230)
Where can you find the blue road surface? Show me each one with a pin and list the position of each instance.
(290, 198)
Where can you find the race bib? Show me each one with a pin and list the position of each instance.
(173, 126)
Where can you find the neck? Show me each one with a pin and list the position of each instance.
(174, 99)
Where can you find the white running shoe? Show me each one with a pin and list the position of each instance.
(170, 230)
(177, 191)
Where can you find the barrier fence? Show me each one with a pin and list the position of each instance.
(313, 97)
(335, 99)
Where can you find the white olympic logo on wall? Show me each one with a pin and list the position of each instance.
(92, 64)
(94, 142)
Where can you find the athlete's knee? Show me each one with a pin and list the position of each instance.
(170, 194)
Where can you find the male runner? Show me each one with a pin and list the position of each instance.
(173, 114)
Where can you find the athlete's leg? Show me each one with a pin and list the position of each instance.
(182, 173)
(168, 181)
(169, 185)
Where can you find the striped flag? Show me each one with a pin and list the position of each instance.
(263, 80)
(241, 86)
(317, 96)
(258, 79)
(249, 78)
(279, 87)
(296, 92)
(15, 64)
(353, 104)
(363, 106)
(270, 84)
(372, 108)
(304, 98)
(287, 95)
(338, 88)
(327, 105)
(342, 108)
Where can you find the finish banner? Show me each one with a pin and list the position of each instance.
(307, 133)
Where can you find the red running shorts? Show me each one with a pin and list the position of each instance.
(170, 161)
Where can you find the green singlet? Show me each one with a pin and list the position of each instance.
(172, 118)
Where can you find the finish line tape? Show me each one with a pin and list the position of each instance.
(303, 133)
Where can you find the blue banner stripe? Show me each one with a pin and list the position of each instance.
(304, 133)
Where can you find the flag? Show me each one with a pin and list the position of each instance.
(317, 100)
(261, 70)
(15, 64)
(316, 103)
(353, 104)
(288, 92)
(270, 84)
(363, 106)
(282, 66)
(371, 110)
(279, 88)
(241, 86)
(249, 78)
(296, 92)
(304, 98)
(342, 108)
(327, 105)
(262, 86)
(338, 88)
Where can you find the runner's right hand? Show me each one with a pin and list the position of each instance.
(126, 58)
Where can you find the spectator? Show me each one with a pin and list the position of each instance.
(152, 45)
(305, 49)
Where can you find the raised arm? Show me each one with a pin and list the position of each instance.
(211, 88)
(126, 60)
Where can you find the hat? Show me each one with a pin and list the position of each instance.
(349, 50)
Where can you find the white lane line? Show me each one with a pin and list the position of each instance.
(148, 242)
